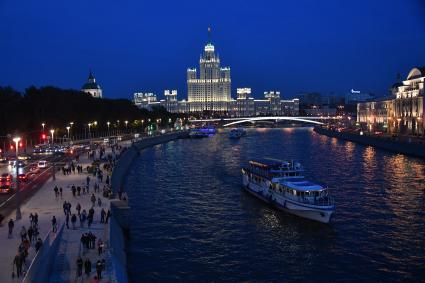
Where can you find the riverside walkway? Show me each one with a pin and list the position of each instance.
(46, 205)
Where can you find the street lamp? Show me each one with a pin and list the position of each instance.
(71, 124)
(126, 122)
(43, 124)
(18, 203)
(108, 123)
(89, 124)
(68, 128)
(52, 132)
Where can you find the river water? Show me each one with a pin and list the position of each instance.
(192, 222)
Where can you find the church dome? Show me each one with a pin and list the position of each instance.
(91, 83)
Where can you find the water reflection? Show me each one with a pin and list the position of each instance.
(191, 215)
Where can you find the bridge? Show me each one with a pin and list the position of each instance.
(240, 120)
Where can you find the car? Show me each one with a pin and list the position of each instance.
(23, 177)
(42, 164)
(6, 177)
(5, 188)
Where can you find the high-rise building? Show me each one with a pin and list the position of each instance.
(212, 90)
(92, 87)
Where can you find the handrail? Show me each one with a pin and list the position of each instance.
(42, 254)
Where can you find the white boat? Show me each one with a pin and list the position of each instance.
(237, 133)
(281, 184)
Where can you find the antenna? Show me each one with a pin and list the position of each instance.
(209, 34)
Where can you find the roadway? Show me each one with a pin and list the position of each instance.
(8, 201)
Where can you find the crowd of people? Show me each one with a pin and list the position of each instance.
(31, 236)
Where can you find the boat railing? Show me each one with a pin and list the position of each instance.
(319, 201)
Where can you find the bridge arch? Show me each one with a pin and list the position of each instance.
(251, 120)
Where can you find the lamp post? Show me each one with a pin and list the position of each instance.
(68, 128)
(52, 132)
(89, 124)
(71, 124)
(108, 123)
(42, 125)
(18, 203)
(126, 122)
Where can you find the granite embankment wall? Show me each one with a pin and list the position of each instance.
(119, 225)
(413, 149)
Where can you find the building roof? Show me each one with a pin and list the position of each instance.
(416, 72)
(91, 83)
(90, 86)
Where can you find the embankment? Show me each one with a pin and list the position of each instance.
(412, 149)
(119, 227)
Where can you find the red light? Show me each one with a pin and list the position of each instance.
(21, 144)
(0, 150)
(43, 136)
(11, 147)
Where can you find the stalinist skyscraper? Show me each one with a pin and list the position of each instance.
(212, 90)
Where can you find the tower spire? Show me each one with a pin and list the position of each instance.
(209, 35)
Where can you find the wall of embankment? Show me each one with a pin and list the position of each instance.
(412, 149)
(119, 225)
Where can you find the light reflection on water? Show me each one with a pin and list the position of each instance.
(192, 222)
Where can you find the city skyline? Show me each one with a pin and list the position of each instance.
(365, 45)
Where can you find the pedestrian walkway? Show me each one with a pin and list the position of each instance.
(47, 205)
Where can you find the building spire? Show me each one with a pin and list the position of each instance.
(209, 35)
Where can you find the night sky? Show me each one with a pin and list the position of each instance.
(291, 46)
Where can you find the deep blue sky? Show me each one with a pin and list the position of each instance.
(140, 45)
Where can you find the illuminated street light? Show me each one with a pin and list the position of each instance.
(18, 203)
(68, 128)
(43, 124)
(89, 124)
(108, 123)
(52, 132)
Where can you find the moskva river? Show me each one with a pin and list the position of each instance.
(192, 221)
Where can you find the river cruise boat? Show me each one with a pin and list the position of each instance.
(281, 183)
(237, 133)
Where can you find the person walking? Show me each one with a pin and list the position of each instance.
(99, 202)
(36, 219)
(73, 221)
(38, 245)
(88, 181)
(54, 224)
(11, 224)
(99, 246)
(23, 233)
(108, 215)
(93, 200)
(60, 191)
(78, 208)
(102, 216)
(79, 266)
(87, 267)
(67, 220)
(99, 269)
(17, 261)
(30, 232)
(56, 191)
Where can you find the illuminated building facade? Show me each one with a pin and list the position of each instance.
(211, 92)
(212, 89)
(402, 112)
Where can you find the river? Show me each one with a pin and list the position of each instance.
(192, 222)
